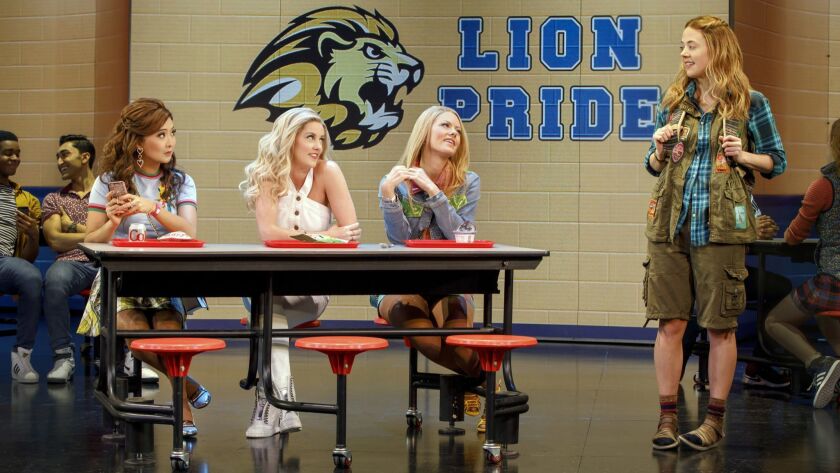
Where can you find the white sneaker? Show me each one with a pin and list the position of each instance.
(147, 374)
(22, 370)
(289, 420)
(63, 368)
(265, 419)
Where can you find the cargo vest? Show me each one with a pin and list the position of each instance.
(828, 228)
(731, 219)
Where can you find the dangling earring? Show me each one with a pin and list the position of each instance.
(139, 157)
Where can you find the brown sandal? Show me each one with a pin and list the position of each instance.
(704, 437)
(666, 433)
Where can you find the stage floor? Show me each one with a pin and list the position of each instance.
(593, 408)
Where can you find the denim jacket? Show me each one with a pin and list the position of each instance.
(406, 220)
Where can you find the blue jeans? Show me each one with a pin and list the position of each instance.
(64, 279)
(22, 278)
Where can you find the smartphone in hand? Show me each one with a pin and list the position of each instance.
(23, 210)
(117, 189)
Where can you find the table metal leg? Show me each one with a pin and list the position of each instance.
(760, 311)
(254, 344)
(507, 329)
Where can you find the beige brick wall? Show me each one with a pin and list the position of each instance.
(787, 55)
(63, 69)
(583, 201)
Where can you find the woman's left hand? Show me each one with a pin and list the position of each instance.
(732, 148)
(140, 205)
(423, 181)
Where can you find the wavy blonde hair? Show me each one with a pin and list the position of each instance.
(730, 87)
(274, 155)
(419, 138)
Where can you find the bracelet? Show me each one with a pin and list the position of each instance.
(157, 209)
(657, 157)
(392, 199)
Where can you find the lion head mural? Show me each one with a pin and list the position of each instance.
(345, 63)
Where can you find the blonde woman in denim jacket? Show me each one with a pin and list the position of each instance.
(428, 196)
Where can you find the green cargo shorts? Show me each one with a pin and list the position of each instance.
(678, 275)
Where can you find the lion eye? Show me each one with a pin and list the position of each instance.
(373, 52)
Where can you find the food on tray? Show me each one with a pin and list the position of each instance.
(175, 236)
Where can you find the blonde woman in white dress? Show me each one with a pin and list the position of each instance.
(294, 188)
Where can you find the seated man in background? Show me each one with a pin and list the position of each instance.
(64, 216)
(20, 213)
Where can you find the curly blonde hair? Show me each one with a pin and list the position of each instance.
(730, 87)
(274, 155)
(420, 137)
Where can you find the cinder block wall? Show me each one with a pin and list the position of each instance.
(584, 201)
(62, 65)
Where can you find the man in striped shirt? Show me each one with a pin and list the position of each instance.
(20, 213)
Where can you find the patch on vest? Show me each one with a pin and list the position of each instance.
(651, 209)
(740, 216)
(721, 164)
(678, 152)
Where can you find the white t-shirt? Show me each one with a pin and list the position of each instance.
(148, 187)
(296, 211)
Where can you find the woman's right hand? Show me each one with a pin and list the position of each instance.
(660, 137)
(117, 207)
(352, 232)
(397, 175)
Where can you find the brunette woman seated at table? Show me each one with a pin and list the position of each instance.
(140, 154)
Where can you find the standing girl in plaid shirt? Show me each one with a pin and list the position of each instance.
(821, 293)
(712, 132)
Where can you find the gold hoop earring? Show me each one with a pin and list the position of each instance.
(139, 157)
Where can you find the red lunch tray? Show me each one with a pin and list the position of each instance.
(123, 242)
(448, 244)
(308, 244)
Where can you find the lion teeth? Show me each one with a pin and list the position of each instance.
(401, 94)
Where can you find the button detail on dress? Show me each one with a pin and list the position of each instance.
(297, 198)
(296, 227)
(297, 212)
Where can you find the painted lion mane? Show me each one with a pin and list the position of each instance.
(345, 63)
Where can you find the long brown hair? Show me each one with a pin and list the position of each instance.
(729, 85)
(139, 119)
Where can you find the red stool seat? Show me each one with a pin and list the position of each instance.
(829, 313)
(491, 348)
(84, 292)
(177, 352)
(342, 350)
